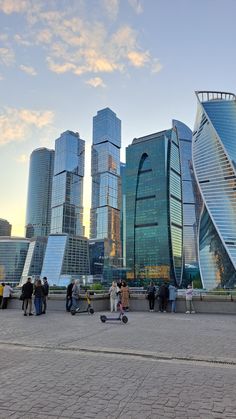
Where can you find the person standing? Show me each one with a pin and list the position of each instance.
(163, 298)
(1, 293)
(27, 292)
(172, 297)
(189, 300)
(113, 291)
(38, 297)
(124, 295)
(151, 295)
(75, 295)
(45, 294)
(69, 295)
(7, 290)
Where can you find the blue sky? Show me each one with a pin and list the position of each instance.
(63, 60)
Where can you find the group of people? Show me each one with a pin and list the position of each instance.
(119, 293)
(167, 295)
(40, 290)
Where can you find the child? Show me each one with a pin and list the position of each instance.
(189, 300)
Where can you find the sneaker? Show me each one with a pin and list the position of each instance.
(192, 312)
(43, 312)
(25, 314)
(30, 314)
(164, 311)
(187, 312)
(78, 309)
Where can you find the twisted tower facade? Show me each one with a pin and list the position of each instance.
(214, 162)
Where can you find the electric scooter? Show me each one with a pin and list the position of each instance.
(89, 309)
(121, 317)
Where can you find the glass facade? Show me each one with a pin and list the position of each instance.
(34, 259)
(66, 258)
(191, 202)
(154, 220)
(214, 154)
(13, 253)
(67, 188)
(106, 184)
(5, 228)
(38, 212)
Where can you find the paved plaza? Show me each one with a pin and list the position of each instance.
(159, 365)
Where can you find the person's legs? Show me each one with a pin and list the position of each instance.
(68, 303)
(30, 305)
(25, 303)
(44, 305)
(188, 306)
(4, 303)
(192, 307)
(152, 302)
(173, 306)
(111, 304)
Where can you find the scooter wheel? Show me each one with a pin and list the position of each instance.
(103, 319)
(72, 312)
(91, 310)
(124, 319)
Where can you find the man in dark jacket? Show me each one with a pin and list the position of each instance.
(45, 294)
(163, 294)
(27, 291)
(69, 296)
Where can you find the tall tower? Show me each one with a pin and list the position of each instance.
(154, 214)
(191, 203)
(38, 213)
(106, 187)
(67, 188)
(214, 161)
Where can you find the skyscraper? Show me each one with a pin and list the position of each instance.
(67, 188)
(13, 251)
(191, 203)
(66, 255)
(154, 220)
(214, 160)
(5, 227)
(106, 188)
(38, 212)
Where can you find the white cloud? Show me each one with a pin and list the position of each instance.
(111, 8)
(138, 59)
(7, 56)
(16, 124)
(14, 6)
(28, 70)
(136, 6)
(156, 66)
(96, 82)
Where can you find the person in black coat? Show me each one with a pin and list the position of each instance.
(38, 297)
(45, 287)
(27, 292)
(163, 295)
(69, 296)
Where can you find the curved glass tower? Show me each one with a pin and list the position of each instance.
(191, 203)
(38, 213)
(214, 160)
(154, 218)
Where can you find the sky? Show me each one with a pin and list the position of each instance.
(63, 60)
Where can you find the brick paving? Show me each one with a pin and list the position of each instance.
(157, 366)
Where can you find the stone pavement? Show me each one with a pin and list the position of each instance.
(159, 365)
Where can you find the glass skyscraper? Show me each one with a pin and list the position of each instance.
(34, 259)
(67, 188)
(38, 212)
(191, 203)
(154, 213)
(106, 187)
(13, 251)
(214, 160)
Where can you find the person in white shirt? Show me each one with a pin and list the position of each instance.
(189, 300)
(6, 295)
(113, 291)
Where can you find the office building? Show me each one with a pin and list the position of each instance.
(191, 203)
(67, 188)
(34, 259)
(5, 227)
(66, 258)
(13, 251)
(38, 211)
(106, 187)
(154, 214)
(214, 160)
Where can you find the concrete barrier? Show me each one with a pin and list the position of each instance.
(221, 304)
